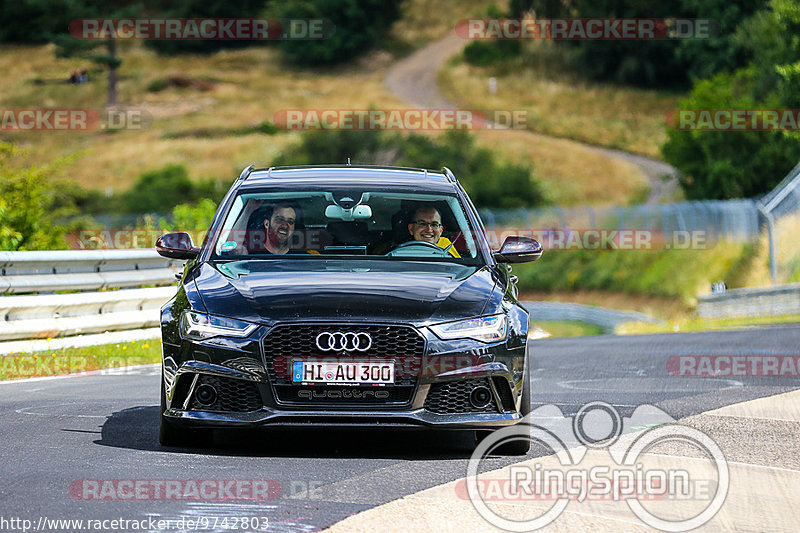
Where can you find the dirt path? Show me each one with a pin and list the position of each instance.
(413, 79)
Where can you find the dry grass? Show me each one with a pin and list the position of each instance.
(565, 106)
(571, 173)
(250, 85)
(757, 273)
(427, 20)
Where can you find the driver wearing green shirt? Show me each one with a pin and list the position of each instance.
(426, 225)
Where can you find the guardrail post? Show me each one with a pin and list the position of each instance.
(773, 267)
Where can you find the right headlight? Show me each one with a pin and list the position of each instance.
(485, 329)
(200, 326)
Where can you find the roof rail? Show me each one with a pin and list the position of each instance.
(246, 172)
(449, 174)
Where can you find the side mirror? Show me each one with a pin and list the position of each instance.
(518, 250)
(177, 245)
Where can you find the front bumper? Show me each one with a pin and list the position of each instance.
(418, 418)
(431, 391)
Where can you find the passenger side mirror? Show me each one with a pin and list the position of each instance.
(177, 245)
(518, 250)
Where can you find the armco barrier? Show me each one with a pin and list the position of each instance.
(608, 319)
(765, 301)
(36, 315)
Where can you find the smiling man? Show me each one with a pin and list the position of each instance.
(280, 224)
(426, 225)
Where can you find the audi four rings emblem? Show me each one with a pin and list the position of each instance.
(343, 342)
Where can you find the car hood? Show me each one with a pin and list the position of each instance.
(272, 290)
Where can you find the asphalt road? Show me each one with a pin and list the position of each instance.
(56, 433)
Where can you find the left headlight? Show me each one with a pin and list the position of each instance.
(485, 329)
(199, 326)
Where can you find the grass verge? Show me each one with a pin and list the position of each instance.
(681, 274)
(83, 359)
(569, 328)
(693, 324)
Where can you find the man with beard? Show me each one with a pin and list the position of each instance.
(271, 229)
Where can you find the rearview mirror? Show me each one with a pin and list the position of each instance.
(353, 213)
(177, 245)
(518, 250)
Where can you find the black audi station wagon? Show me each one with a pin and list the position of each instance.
(344, 296)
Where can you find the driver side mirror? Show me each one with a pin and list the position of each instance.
(518, 250)
(177, 245)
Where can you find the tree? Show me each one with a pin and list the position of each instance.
(69, 46)
(745, 163)
(358, 26)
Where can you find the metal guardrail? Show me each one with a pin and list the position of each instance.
(600, 316)
(765, 301)
(38, 315)
(23, 272)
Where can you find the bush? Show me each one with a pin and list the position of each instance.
(26, 213)
(489, 182)
(485, 53)
(159, 191)
(358, 26)
(206, 9)
(675, 273)
(745, 163)
(650, 63)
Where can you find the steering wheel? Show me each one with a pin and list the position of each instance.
(425, 244)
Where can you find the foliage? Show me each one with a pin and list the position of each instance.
(677, 273)
(745, 163)
(222, 9)
(37, 21)
(650, 63)
(158, 191)
(489, 182)
(358, 26)
(26, 211)
(485, 53)
(189, 216)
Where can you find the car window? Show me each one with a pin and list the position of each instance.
(395, 225)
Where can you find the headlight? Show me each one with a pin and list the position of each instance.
(198, 326)
(485, 329)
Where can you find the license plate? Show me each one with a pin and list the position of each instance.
(342, 372)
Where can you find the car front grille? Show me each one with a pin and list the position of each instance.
(452, 397)
(234, 395)
(287, 343)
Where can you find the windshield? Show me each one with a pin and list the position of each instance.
(394, 225)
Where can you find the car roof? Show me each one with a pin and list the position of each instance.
(346, 176)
